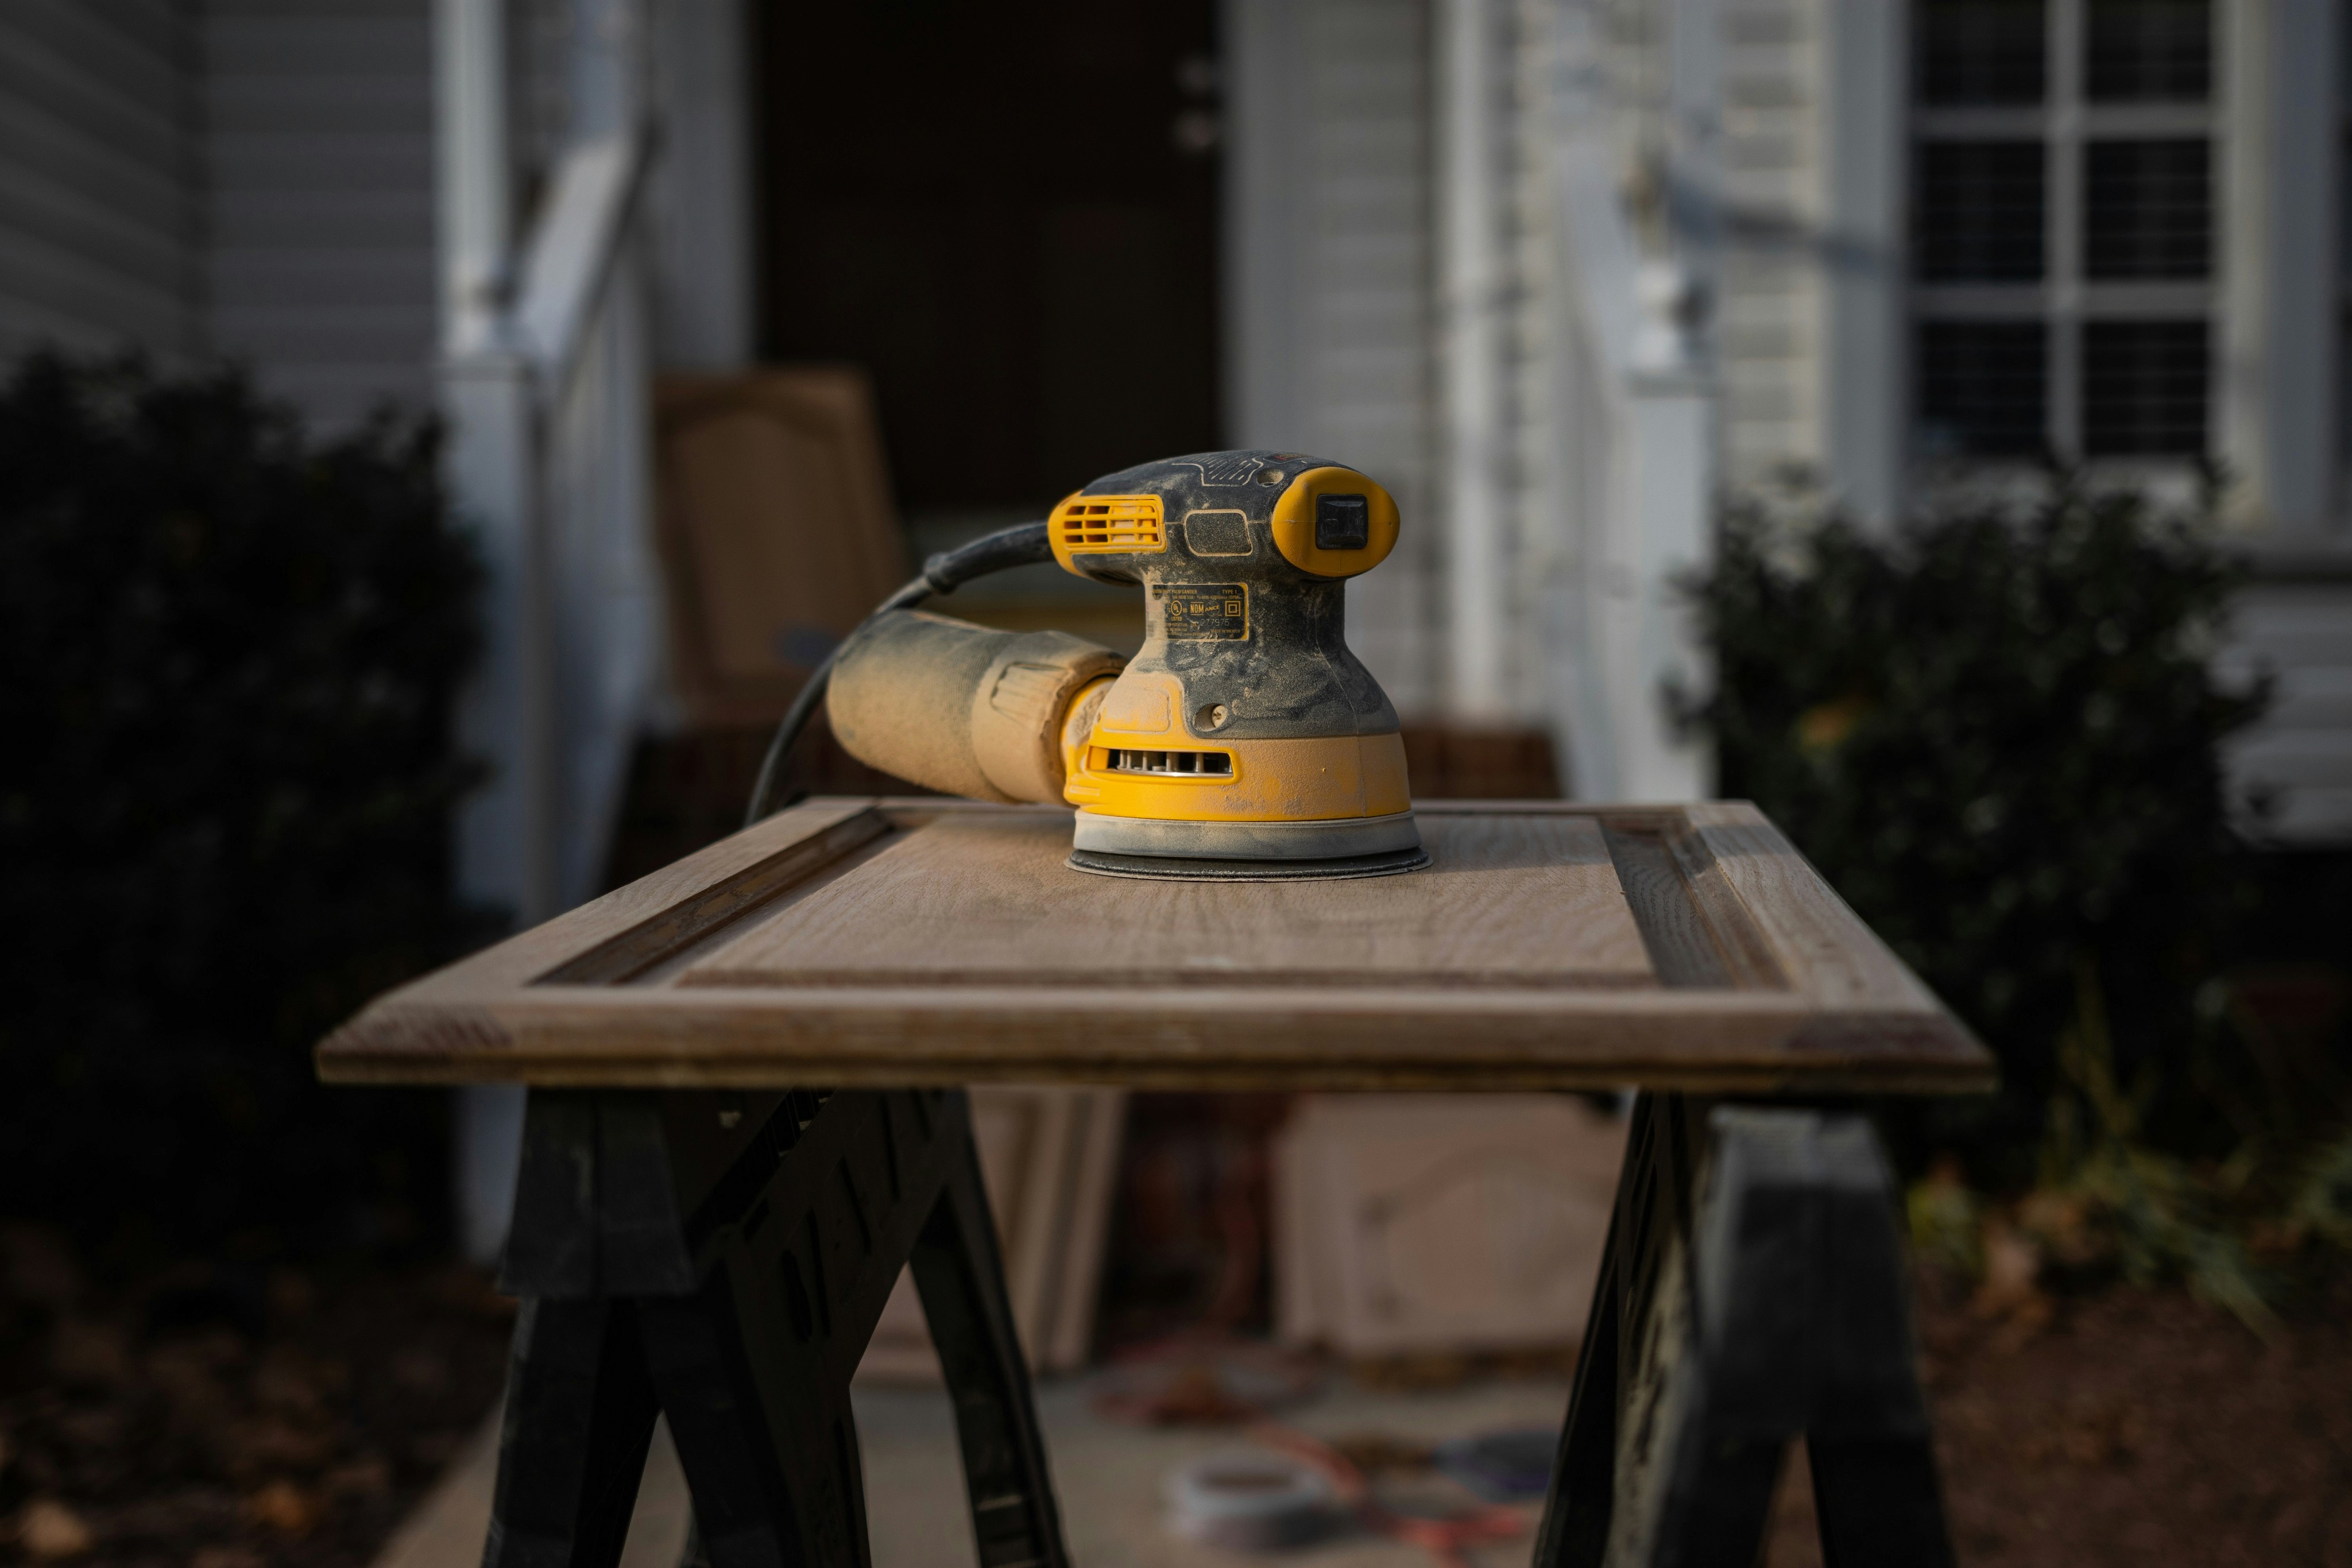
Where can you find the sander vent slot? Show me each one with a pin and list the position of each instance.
(1207, 764)
(1110, 525)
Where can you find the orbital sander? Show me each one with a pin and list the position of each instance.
(1243, 742)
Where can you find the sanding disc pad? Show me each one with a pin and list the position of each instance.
(1170, 868)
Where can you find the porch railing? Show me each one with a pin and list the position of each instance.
(545, 382)
(1635, 406)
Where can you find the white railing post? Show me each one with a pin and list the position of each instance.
(506, 828)
(1663, 530)
(544, 384)
(504, 834)
(1470, 363)
(1636, 401)
(472, 181)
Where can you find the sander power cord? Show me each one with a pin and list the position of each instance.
(1027, 544)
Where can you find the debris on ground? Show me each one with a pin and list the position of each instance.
(1447, 1528)
(1250, 1502)
(230, 1416)
(1206, 1380)
(226, 1416)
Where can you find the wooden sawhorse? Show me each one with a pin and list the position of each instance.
(690, 1238)
(722, 1260)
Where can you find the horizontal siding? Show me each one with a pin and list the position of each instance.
(2301, 753)
(313, 161)
(319, 159)
(292, 222)
(1366, 301)
(1768, 325)
(250, 103)
(98, 195)
(1536, 550)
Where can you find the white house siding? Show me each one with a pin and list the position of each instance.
(1765, 164)
(1632, 53)
(1369, 315)
(1768, 326)
(97, 199)
(538, 89)
(1540, 544)
(318, 143)
(2301, 755)
(1329, 341)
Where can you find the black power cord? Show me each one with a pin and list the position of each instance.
(1025, 545)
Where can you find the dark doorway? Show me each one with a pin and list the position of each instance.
(1007, 214)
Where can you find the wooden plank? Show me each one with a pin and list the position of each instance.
(609, 939)
(1067, 1334)
(1684, 949)
(1820, 943)
(987, 900)
(1740, 943)
(1024, 1138)
(1273, 1037)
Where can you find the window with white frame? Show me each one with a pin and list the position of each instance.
(2063, 242)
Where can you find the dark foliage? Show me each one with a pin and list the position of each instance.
(1998, 735)
(224, 815)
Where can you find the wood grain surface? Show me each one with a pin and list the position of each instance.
(987, 901)
(899, 941)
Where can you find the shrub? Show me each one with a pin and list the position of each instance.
(1996, 732)
(232, 653)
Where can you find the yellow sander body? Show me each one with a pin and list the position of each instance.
(1245, 730)
(1244, 741)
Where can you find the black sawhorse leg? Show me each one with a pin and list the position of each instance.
(1752, 1292)
(722, 1260)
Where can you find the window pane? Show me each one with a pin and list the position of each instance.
(2147, 209)
(2144, 389)
(2148, 51)
(1978, 212)
(1980, 51)
(1981, 388)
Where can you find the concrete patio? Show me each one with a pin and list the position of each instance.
(1109, 1476)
